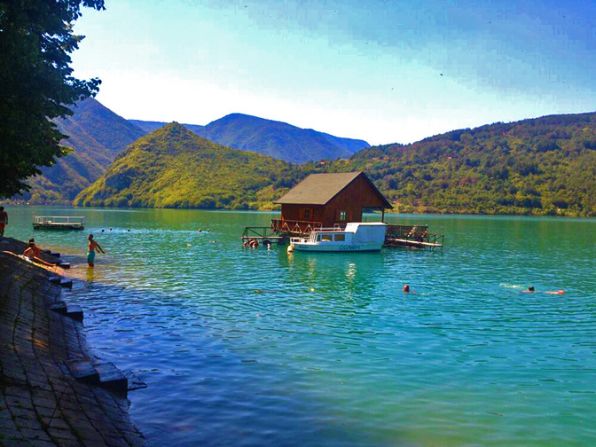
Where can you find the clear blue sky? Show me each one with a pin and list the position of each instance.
(384, 71)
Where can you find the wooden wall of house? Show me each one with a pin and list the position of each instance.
(302, 212)
(353, 199)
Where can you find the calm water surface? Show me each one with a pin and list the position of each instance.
(255, 347)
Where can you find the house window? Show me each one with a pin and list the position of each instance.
(307, 214)
(343, 216)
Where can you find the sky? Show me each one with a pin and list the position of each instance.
(382, 71)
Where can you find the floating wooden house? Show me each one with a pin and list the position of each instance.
(331, 201)
(328, 201)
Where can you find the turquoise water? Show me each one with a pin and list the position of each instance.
(255, 347)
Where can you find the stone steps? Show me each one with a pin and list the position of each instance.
(104, 374)
(73, 311)
(63, 282)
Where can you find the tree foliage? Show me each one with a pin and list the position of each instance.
(36, 84)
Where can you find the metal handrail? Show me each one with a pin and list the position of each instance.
(59, 219)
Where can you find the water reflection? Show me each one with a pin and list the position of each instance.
(90, 275)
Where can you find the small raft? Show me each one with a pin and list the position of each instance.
(58, 223)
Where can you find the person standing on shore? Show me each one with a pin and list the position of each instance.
(91, 247)
(3, 220)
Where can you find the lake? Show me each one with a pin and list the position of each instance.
(260, 348)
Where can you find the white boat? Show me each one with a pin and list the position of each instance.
(357, 236)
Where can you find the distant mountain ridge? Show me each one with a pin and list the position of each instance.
(96, 135)
(274, 138)
(152, 126)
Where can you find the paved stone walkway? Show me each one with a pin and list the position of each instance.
(41, 404)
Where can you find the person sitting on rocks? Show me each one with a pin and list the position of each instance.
(33, 253)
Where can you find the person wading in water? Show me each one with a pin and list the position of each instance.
(91, 247)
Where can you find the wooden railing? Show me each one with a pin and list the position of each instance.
(294, 227)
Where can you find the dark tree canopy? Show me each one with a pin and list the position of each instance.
(36, 84)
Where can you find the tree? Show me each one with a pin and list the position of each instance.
(36, 84)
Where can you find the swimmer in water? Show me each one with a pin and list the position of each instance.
(531, 289)
(91, 247)
(406, 288)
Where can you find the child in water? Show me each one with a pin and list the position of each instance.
(91, 247)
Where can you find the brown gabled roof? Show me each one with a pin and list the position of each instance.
(319, 189)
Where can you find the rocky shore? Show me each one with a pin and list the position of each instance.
(53, 392)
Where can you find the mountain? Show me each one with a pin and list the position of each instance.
(274, 138)
(173, 167)
(95, 135)
(542, 166)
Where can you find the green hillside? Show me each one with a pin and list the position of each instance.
(542, 166)
(95, 135)
(173, 167)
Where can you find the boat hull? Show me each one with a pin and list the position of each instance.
(337, 248)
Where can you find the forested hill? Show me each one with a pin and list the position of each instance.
(542, 166)
(274, 138)
(95, 135)
(173, 167)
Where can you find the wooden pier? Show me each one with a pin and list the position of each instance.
(416, 236)
(263, 235)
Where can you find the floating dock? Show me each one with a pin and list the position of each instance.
(58, 223)
(415, 236)
(263, 235)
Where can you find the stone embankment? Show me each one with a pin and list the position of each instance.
(52, 391)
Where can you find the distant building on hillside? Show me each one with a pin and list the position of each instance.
(328, 200)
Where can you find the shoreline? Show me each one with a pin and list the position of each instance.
(53, 391)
